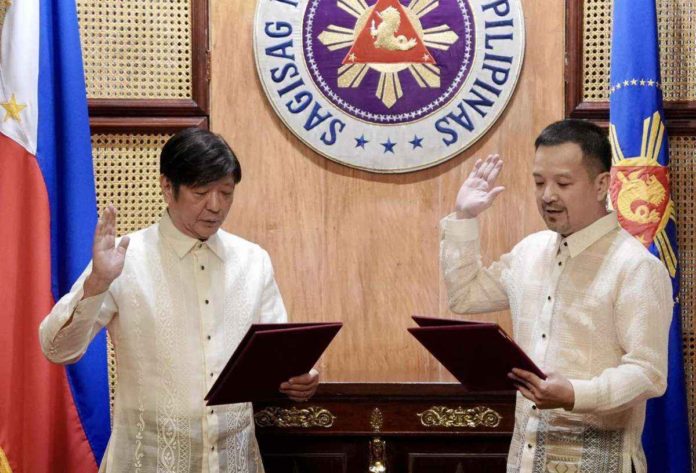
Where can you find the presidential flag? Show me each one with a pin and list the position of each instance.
(51, 419)
(640, 193)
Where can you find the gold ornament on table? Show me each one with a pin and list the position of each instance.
(376, 420)
(377, 446)
(441, 416)
(378, 456)
(294, 417)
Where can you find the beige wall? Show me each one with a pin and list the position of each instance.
(362, 248)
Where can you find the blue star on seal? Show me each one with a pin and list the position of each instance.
(388, 146)
(361, 142)
(416, 142)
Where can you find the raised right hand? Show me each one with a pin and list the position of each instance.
(477, 192)
(107, 257)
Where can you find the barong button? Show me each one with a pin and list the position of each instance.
(529, 445)
(207, 301)
(548, 298)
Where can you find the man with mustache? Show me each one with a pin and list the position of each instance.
(177, 298)
(590, 305)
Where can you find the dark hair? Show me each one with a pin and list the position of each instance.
(592, 140)
(195, 157)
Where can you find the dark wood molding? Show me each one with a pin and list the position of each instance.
(145, 124)
(352, 391)
(573, 56)
(140, 107)
(200, 55)
(680, 115)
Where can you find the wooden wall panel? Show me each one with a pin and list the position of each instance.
(359, 247)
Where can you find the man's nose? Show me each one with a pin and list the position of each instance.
(213, 202)
(549, 194)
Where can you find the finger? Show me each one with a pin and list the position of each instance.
(489, 165)
(303, 387)
(110, 230)
(529, 377)
(302, 379)
(485, 170)
(123, 244)
(112, 219)
(294, 394)
(99, 230)
(528, 394)
(308, 378)
(493, 175)
(477, 168)
(518, 381)
(298, 399)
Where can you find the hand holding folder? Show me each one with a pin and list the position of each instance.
(479, 354)
(268, 355)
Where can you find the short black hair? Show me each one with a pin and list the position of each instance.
(592, 140)
(195, 157)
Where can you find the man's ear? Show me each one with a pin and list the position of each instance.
(167, 189)
(602, 181)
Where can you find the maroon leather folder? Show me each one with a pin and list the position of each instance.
(478, 354)
(268, 355)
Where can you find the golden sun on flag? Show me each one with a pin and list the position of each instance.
(4, 6)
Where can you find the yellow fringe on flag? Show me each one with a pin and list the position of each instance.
(4, 464)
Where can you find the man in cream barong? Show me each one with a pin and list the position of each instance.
(590, 305)
(177, 298)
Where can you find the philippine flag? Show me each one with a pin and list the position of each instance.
(51, 419)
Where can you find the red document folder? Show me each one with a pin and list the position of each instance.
(268, 355)
(478, 354)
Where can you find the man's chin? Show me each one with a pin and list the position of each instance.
(555, 226)
(206, 231)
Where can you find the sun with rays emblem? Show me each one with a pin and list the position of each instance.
(389, 50)
(388, 38)
(389, 85)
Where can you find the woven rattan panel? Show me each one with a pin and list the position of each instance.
(126, 170)
(683, 166)
(135, 49)
(677, 31)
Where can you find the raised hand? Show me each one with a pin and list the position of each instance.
(107, 257)
(478, 192)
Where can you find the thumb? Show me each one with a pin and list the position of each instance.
(495, 191)
(123, 244)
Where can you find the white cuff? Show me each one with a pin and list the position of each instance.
(459, 229)
(585, 396)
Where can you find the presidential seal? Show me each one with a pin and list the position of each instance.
(389, 85)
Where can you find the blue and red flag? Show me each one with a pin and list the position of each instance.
(51, 419)
(640, 192)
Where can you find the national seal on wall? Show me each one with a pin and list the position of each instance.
(389, 85)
